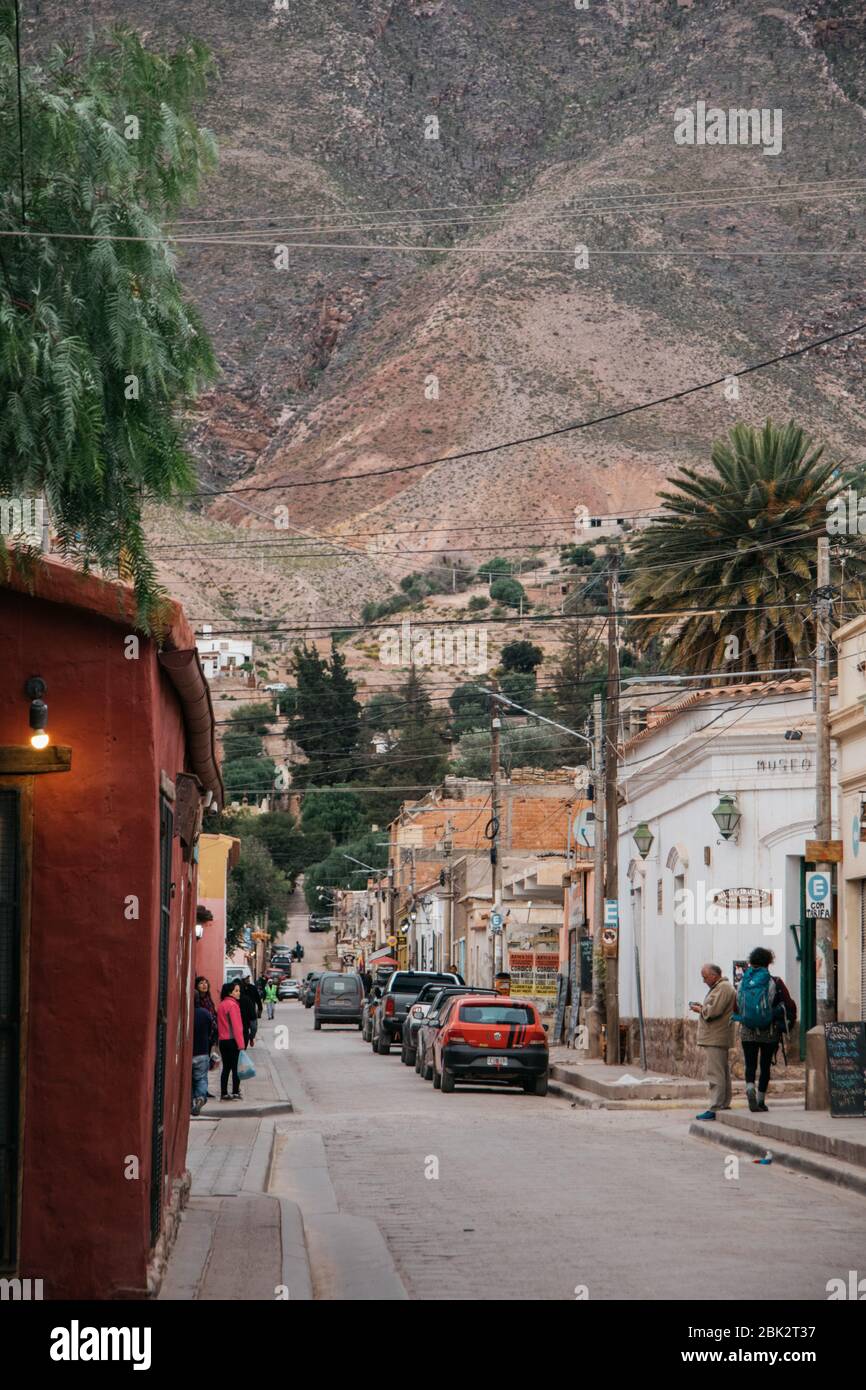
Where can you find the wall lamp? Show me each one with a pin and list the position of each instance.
(643, 838)
(727, 815)
(34, 690)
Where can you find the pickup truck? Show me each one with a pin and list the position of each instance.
(400, 993)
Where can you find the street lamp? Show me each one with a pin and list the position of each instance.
(727, 815)
(643, 838)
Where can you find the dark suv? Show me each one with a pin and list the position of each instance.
(400, 994)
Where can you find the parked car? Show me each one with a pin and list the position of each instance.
(308, 989)
(427, 1026)
(339, 998)
(399, 995)
(427, 1000)
(499, 1041)
(288, 989)
(317, 923)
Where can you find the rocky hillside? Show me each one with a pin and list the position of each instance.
(431, 303)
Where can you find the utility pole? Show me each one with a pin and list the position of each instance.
(495, 864)
(448, 934)
(596, 1009)
(824, 971)
(611, 810)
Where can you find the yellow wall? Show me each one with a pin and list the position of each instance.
(213, 853)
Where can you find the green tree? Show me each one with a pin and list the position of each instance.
(509, 592)
(336, 871)
(339, 814)
(470, 708)
(241, 745)
(327, 722)
(100, 352)
(252, 775)
(520, 656)
(520, 745)
(255, 886)
(495, 567)
(739, 540)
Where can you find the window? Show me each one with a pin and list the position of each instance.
(496, 1013)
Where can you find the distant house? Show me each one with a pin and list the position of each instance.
(98, 891)
(222, 655)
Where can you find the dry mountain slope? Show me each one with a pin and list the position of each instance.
(321, 113)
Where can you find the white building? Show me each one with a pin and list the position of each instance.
(221, 655)
(746, 752)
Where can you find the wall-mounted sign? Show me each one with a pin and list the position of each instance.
(823, 852)
(740, 899)
(610, 941)
(818, 895)
(611, 912)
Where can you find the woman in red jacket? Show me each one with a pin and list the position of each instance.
(231, 1035)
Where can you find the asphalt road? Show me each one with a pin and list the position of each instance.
(485, 1194)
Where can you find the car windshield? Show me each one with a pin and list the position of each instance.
(401, 983)
(496, 1013)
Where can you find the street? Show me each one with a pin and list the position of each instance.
(534, 1199)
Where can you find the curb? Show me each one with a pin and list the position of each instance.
(829, 1171)
(296, 1272)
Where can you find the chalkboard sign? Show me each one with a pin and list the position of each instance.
(846, 1068)
(586, 964)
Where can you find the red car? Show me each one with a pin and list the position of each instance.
(501, 1040)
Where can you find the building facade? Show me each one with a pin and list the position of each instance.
(98, 894)
(717, 802)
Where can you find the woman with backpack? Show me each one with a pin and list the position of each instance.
(764, 1010)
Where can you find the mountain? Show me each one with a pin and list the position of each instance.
(412, 258)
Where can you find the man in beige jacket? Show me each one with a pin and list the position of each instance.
(716, 1036)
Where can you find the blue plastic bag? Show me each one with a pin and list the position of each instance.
(246, 1070)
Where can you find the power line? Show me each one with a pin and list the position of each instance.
(546, 434)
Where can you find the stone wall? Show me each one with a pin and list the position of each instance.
(672, 1048)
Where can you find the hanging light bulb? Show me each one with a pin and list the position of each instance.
(35, 689)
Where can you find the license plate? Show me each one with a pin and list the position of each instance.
(497, 1061)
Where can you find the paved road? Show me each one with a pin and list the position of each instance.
(534, 1199)
(315, 944)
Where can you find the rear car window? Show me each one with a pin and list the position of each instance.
(338, 986)
(496, 1013)
(401, 983)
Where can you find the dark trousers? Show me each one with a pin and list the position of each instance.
(752, 1051)
(229, 1051)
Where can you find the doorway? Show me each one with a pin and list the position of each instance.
(10, 1020)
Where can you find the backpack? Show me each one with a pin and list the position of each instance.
(754, 1002)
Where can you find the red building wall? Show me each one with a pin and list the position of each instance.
(88, 1074)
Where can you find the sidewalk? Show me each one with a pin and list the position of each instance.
(808, 1141)
(591, 1083)
(236, 1241)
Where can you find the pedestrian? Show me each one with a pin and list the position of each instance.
(716, 1036)
(260, 986)
(270, 998)
(251, 1008)
(764, 1010)
(203, 996)
(201, 1045)
(231, 1037)
(502, 982)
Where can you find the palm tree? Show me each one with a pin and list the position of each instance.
(739, 541)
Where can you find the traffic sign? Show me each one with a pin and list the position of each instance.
(496, 921)
(611, 912)
(818, 895)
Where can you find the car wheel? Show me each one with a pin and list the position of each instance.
(317, 1026)
(383, 1047)
(536, 1087)
(427, 1071)
(437, 1079)
(446, 1080)
(418, 1061)
(410, 1060)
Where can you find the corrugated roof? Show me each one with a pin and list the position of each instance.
(697, 697)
